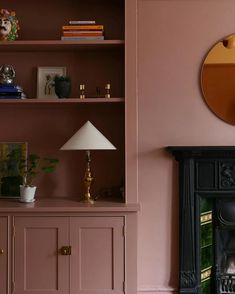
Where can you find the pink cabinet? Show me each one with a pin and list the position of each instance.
(39, 266)
(97, 260)
(69, 255)
(4, 255)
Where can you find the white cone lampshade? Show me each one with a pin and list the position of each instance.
(88, 138)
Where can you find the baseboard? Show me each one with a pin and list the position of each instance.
(153, 290)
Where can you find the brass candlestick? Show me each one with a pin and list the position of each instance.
(82, 91)
(107, 91)
(88, 179)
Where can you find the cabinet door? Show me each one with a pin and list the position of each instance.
(4, 255)
(97, 260)
(39, 266)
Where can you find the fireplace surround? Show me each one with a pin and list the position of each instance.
(207, 218)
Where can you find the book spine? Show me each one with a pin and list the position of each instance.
(83, 22)
(10, 97)
(82, 38)
(82, 31)
(82, 34)
(83, 27)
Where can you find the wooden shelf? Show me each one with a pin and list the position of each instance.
(61, 101)
(55, 45)
(65, 205)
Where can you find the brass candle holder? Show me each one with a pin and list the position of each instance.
(107, 91)
(82, 91)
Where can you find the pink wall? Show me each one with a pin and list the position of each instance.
(173, 38)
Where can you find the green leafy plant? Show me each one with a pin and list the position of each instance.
(35, 164)
(30, 167)
(58, 78)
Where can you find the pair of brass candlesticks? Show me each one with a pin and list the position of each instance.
(107, 88)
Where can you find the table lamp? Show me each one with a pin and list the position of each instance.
(88, 138)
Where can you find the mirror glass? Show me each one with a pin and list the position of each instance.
(218, 79)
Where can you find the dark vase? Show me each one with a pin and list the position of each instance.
(63, 88)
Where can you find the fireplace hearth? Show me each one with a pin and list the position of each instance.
(207, 219)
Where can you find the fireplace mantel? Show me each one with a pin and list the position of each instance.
(206, 174)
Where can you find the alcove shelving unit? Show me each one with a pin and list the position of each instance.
(80, 239)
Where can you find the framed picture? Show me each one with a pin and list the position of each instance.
(10, 176)
(45, 80)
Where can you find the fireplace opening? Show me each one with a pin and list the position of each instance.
(217, 245)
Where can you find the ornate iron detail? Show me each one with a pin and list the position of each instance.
(188, 279)
(227, 174)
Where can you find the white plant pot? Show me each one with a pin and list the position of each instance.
(27, 193)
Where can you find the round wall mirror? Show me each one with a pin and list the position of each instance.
(218, 79)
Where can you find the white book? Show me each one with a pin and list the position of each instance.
(81, 22)
(74, 38)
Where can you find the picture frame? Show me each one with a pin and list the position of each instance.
(10, 176)
(45, 80)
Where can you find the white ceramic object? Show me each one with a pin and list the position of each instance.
(27, 193)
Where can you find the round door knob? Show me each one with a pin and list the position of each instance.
(1, 251)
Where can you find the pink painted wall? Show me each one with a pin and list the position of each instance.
(173, 38)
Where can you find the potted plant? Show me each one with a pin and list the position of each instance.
(62, 86)
(29, 169)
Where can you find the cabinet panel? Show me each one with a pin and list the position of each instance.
(97, 264)
(4, 254)
(39, 266)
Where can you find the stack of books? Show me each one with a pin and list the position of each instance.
(82, 30)
(11, 91)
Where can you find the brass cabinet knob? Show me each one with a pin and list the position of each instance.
(1, 251)
(65, 250)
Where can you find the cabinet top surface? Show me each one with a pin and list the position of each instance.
(65, 205)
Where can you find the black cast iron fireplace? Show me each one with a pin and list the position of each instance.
(207, 219)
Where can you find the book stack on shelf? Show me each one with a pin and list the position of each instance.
(11, 91)
(82, 30)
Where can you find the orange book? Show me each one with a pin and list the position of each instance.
(83, 27)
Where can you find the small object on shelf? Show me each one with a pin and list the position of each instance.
(8, 90)
(82, 30)
(45, 80)
(9, 25)
(77, 38)
(62, 86)
(107, 91)
(82, 91)
(7, 74)
(83, 22)
(88, 138)
(98, 92)
(29, 168)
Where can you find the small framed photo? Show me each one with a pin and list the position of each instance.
(10, 176)
(45, 80)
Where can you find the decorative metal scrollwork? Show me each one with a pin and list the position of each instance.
(188, 279)
(227, 175)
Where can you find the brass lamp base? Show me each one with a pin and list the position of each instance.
(88, 179)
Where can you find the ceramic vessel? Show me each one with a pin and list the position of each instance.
(27, 193)
(63, 88)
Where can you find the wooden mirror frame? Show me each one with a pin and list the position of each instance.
(218, 79)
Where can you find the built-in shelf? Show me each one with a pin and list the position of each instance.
(61, 101)
(52, 45)
(65, 205)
